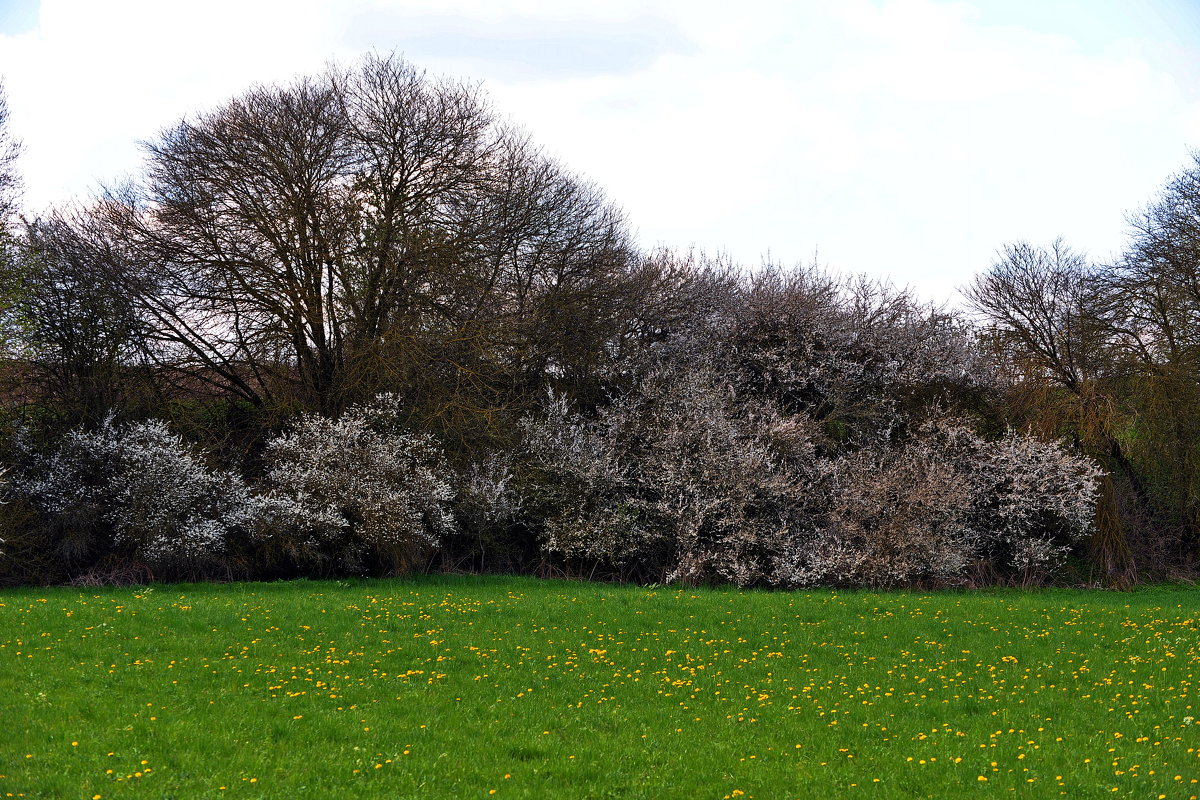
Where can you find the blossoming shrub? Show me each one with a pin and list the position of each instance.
(684, 482)
(677, 479)
(894, 515)
(945, 502)
(360, 488)
(290, 535)
(1035, 500)
(489, 512)
(141, 490)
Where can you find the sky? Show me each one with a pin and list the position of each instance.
(904, 139)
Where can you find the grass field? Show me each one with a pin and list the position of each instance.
(501, 687)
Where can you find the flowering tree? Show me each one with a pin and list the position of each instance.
(144, 487)
(677, 478)
(391, 489)
(945, 502)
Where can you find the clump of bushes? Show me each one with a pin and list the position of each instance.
(138, 490)
(675, 481)
(946, 506)
(723, 450)
(348, 495)
(359, 489)
(680, 482)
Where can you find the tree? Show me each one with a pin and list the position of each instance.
(1045, 303)
(10, 149)
(10, 185)
(369, 229)
(859, 355)
(1155, 291)
(1052, 314)
(1159, 275)
(77, 331)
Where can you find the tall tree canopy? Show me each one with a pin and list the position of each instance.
(366, 229)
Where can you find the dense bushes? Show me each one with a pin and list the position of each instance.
(947, 506)
(690, 472)
(137, 490)
(698, 489)
(678, 481)
(189, 364)
(364, 491)
(349, 495)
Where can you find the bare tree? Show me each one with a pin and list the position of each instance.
(10, 149)
(1158, 278)
(363, 229)
(73, 331)
(1155, 291)
(1047, 303)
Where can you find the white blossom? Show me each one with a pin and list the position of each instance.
(163, 503)
(391, 489)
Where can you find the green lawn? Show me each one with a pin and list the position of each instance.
(504, 687)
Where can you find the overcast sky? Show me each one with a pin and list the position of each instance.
(903, 138)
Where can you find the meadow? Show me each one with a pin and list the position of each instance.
(509, 687)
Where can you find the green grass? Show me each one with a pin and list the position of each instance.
(455, 687)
